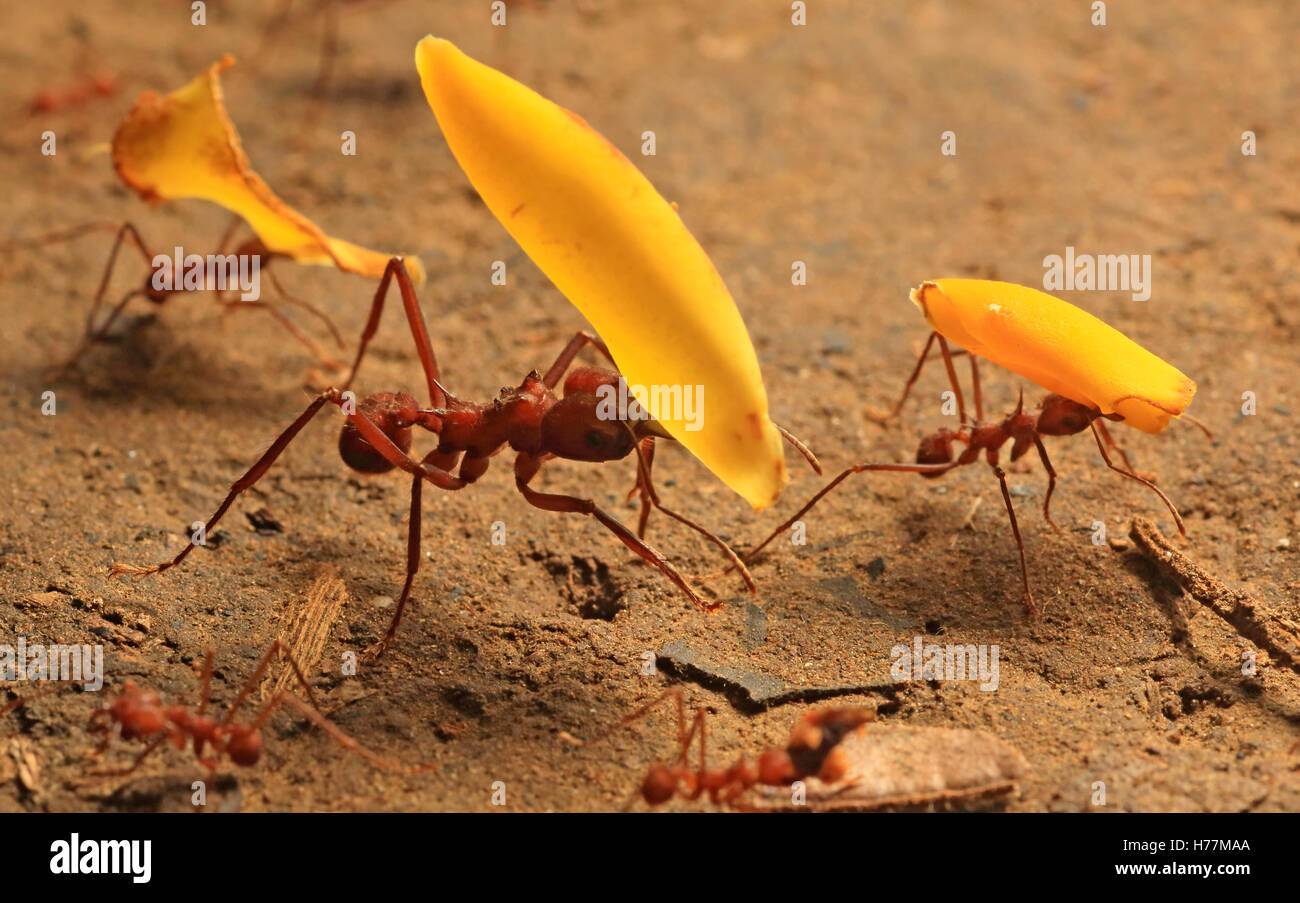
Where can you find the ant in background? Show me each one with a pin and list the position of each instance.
(1056, 416)
(138, 714)
(128, 234)
(529, 419)
(812, 750)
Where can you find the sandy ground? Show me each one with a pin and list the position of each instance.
(780, 143)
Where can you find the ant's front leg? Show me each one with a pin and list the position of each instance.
(925, 469)
(440, 460)
(372, 434)
(527, 466)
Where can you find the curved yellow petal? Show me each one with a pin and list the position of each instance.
(1062, 348)
(618, 251)
(183, 145)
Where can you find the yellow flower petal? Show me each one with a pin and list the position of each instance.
(184, 145)
(1062, 348)
(618, 251)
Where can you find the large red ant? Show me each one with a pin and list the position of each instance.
(128, 234)
(530, 419)
(1056, 416)
(138, 714)
(812, 750)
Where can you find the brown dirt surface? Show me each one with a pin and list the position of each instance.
(780, 143)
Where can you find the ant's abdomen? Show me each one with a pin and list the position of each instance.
(391, 413)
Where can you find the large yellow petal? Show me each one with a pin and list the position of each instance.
(618, 251)
(183, 145)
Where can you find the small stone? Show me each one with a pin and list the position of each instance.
(382, 602)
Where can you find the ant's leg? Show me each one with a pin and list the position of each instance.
(907, 387)
(952, 378)
(329, 49)
(336, 734)
(372, 434)
(646, 452)
(526, 467)
(419, 331)
(1115, 447)
(246, 481)
(1132, 476)
(139, 760)
(856, 468)
(290, 327)
(648, 495)
(305, 305)
(205, 684)
(1051, 481)
(259, 672)
(227, 236)
(93, 337)
(975, 389)
(1015, 529)
(412, 566)
(126, 233)
(565, 358)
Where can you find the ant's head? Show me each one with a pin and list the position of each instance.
(393, 414)
(660, 784)
(775, 768)
(1059, 416)
(151, 282)
(581, 427)
(244, 745)
(935, 449)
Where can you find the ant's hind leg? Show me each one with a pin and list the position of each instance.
(527, 466)
(1123, 456)
(649, 497)
(1133, 476)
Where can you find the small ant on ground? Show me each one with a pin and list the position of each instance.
(529, 419)
(128, 234)
(1056, 416)
(76, 94)
(138, 714)
(811, 751)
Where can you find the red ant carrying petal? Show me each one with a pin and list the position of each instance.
(1056, 416)
(529, 419)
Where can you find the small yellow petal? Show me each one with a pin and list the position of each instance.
(1064, 349)
(183, 145)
